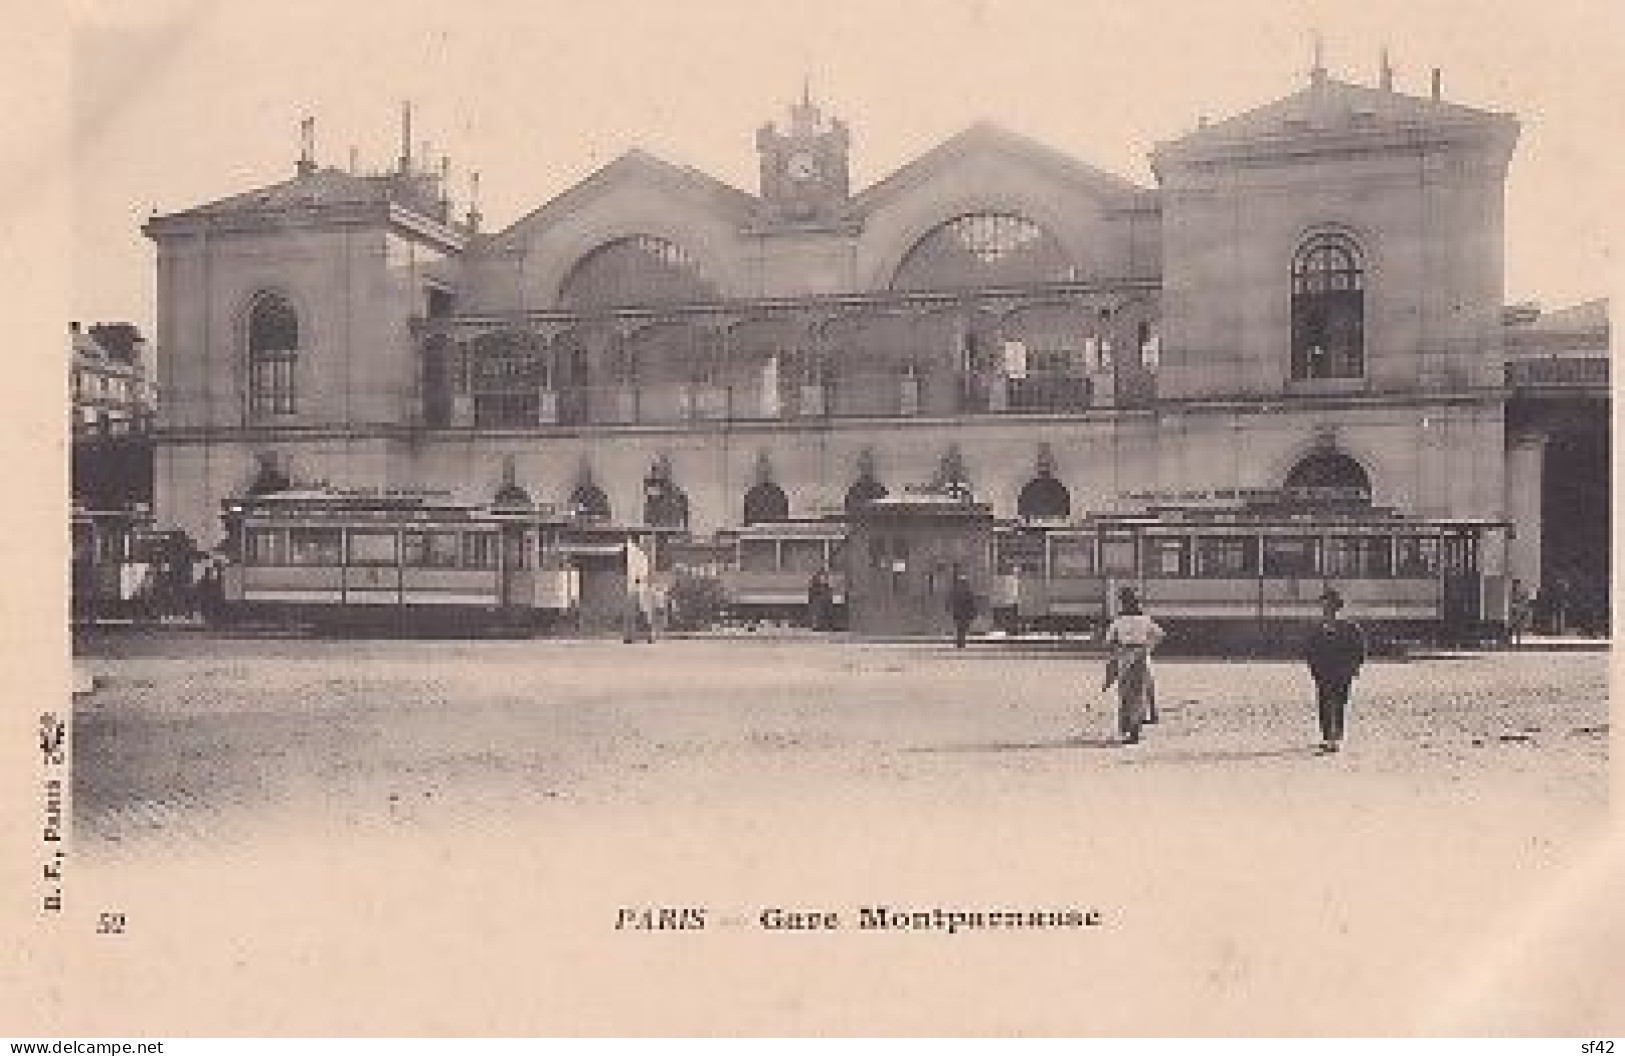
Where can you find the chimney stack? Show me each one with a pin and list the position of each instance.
(307, 147)
(1387, 77)
(405, 160)
(1436, 86)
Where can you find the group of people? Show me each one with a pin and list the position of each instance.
(1334, 650)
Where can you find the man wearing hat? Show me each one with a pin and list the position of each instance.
(1335, 651)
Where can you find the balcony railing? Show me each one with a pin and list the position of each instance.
(672, 404)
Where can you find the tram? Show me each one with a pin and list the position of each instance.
(123, 568)
(770, 567)
(1249, 577)
(378, 561)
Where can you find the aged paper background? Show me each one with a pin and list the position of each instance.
(1217, 924)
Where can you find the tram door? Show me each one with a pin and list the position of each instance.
(512, 591)
(1458, 567)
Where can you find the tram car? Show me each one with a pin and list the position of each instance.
(125, 569)
(767, 571)
(1249, 578)
(335, 560)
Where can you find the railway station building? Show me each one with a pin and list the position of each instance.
(1310, 296)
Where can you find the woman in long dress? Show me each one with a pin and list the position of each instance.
(1131, 637)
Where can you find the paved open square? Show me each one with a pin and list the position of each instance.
(502, 802)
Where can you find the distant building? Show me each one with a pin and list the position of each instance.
(112, 389)
(113, 405)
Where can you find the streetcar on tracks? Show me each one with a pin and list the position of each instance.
(333, 560)
(1250, 576)
(124, 568)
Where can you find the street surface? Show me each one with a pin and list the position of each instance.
(298, 794)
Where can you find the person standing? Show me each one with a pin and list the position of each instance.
(1518, 612)
(1335, 651)
(637, 621)
(820, 601)
(961, 607)
(1131, 637)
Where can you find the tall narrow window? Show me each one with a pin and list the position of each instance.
(273, 355)
(1328, 309)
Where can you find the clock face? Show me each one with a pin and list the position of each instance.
(802, 165)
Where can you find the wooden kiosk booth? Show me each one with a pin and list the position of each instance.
(901, 555)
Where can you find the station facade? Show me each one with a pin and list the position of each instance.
(1310, 296)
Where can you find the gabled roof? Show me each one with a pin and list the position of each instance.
(328, 188)
(987, 138)
(1330, 105)
(637, 166)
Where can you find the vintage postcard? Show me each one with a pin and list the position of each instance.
(969, 517)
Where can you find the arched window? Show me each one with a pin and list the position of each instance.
(864, 491)
(638, 270)
(589, 500)
(1044, 498)
(766, 502)
(1328, 309)
(982, 249)
(1329, 477)
(273, 354)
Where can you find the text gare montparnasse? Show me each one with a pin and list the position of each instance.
(868, 918)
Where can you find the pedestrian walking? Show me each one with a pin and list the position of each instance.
(961, 607)
(1132, 637)
(1335, 650)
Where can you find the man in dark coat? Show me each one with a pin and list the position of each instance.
(961, 607)
(821, 601)
(1335, 650)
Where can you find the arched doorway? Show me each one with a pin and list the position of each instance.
(589, 500)
(766, 502)
(864, 491)
(1329, 477)
(1044, 498)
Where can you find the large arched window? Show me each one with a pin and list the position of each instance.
(664, 505)
(273, 355)
(638, 270)
(1328, 309)
(862, 492)
(766, 502)
(982, 249)
(1329, 477)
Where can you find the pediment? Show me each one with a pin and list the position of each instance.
(983, 143)
(643, 173)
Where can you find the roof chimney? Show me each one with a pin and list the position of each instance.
(405, 160)
(1387, 76)
(307, 147)
(474, 201)
(1436, 76)
(73, 327)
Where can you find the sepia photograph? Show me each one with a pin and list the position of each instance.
(927, 518)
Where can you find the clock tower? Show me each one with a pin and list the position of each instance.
(804, 168)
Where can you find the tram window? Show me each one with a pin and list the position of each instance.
(1166, 556)
(1074, 556)
(373, 548)
(1416, 556)
(266, 546)
(757, 555)
(1018, 553)
(1358, 557)
(479, 550)
(82, 543)
(430, 549)
(1226, 556)
(803, 555)
(1117, 557)
(1290, 556)
(313, 546)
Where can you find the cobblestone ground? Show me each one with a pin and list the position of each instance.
(188, 736)
(292, 796)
